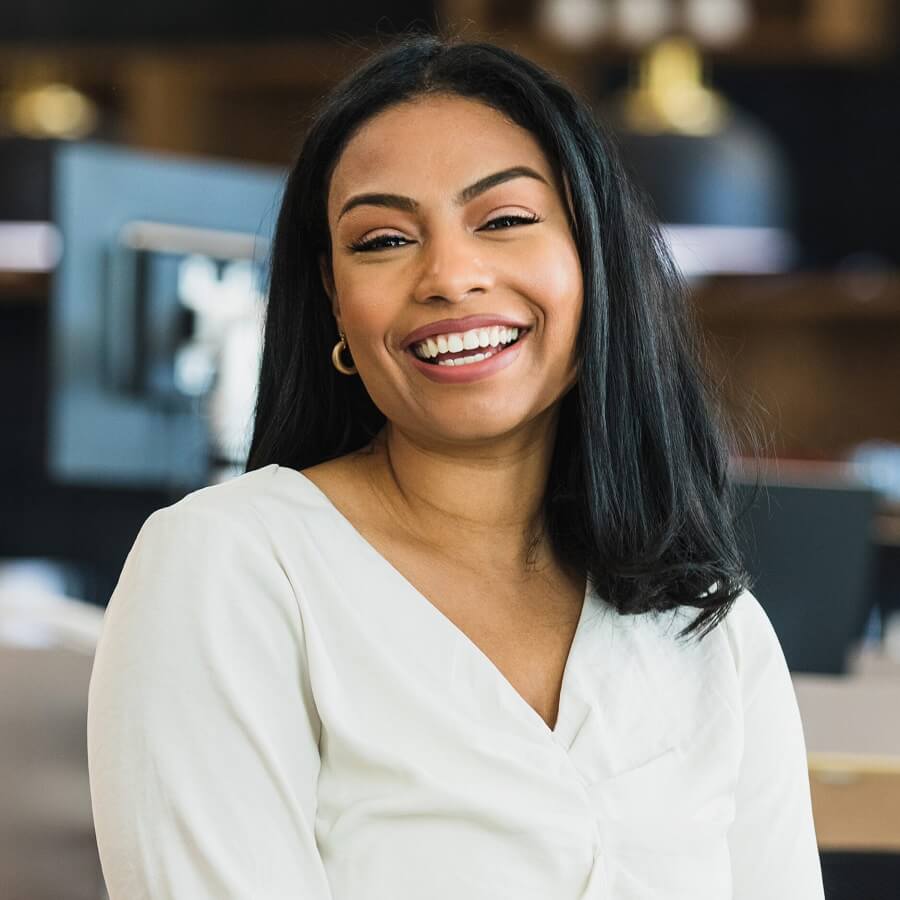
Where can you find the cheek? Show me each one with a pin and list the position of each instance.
(363, 302)
(552, 277)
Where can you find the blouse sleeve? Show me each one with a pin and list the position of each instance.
(202, 731)
(772, 840)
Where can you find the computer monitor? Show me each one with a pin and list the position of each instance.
(807, 543)
(160, 286)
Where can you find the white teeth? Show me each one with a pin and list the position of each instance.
(477, 338)
(465, 360)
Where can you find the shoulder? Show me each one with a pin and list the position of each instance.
(745, 636)
(253, 504)
(748, 630)
(268, 531)
(741, 656)
(208, 565)
(225, 533)
(754, 649)
(230, 499)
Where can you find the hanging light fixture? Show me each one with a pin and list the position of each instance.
(716, 176)
(50, 110)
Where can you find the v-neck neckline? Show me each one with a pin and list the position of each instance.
(556, 732)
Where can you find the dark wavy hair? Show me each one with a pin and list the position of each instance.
(638, 494)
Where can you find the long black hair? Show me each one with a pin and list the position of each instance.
(638, 494)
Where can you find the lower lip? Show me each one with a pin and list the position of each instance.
(470, 371)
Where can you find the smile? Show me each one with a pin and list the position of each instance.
(468, 365)
(466, 347)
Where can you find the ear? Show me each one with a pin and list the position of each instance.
(328, 282)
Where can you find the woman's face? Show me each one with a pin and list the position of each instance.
(440, 209)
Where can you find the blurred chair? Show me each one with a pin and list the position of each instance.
(807, 543)
(47, 845)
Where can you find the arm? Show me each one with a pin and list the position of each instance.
(202, 731)
(772, 840)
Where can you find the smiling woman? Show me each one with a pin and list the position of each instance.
(473, 623)
(416, 232)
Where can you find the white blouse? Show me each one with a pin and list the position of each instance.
(276, 712)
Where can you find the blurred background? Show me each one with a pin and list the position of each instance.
(143, 150)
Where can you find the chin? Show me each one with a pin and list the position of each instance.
(473, 429)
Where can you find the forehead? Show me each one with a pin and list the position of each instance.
(434, 143)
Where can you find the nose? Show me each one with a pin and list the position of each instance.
(452, 268)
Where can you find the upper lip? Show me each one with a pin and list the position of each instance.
(451, 326)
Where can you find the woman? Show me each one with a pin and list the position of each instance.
(473, 623)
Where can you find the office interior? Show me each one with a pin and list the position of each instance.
(142, 154)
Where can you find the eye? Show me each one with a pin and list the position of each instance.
(383, 241)
(518, 220)
(377, 243)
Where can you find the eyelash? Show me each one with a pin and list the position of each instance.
(373, 243)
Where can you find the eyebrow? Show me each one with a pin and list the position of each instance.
(407, 204)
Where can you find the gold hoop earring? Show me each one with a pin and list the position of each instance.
(339, 364)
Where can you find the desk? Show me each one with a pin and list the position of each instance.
(47, 845)
(852, 729)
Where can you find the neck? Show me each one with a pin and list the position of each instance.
(483, 505)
